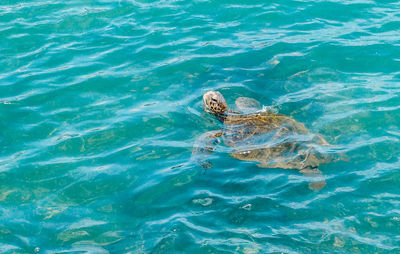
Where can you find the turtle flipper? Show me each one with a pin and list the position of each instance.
(204, 146)
(247, 105)
(314, 172)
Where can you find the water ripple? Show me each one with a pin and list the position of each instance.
(100, 106)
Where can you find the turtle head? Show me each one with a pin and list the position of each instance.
(214, 103)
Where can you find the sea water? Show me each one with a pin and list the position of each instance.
(100, 105)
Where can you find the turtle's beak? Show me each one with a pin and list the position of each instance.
(206, 104)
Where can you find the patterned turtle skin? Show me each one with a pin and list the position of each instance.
(273, 140)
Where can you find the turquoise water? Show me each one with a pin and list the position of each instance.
(100, 105)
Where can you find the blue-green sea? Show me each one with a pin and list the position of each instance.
(101, 104)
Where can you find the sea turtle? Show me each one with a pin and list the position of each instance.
(273, 140)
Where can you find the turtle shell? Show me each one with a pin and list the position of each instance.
(273, 140)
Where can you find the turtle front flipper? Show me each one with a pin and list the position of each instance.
(315, 173)
(204, 146)
(247, 105)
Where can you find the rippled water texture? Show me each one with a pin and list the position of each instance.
(100, 105)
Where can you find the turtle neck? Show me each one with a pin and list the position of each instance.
(221, 117)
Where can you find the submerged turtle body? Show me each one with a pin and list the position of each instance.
(273, 140)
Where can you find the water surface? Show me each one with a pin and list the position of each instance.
(100, 105)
